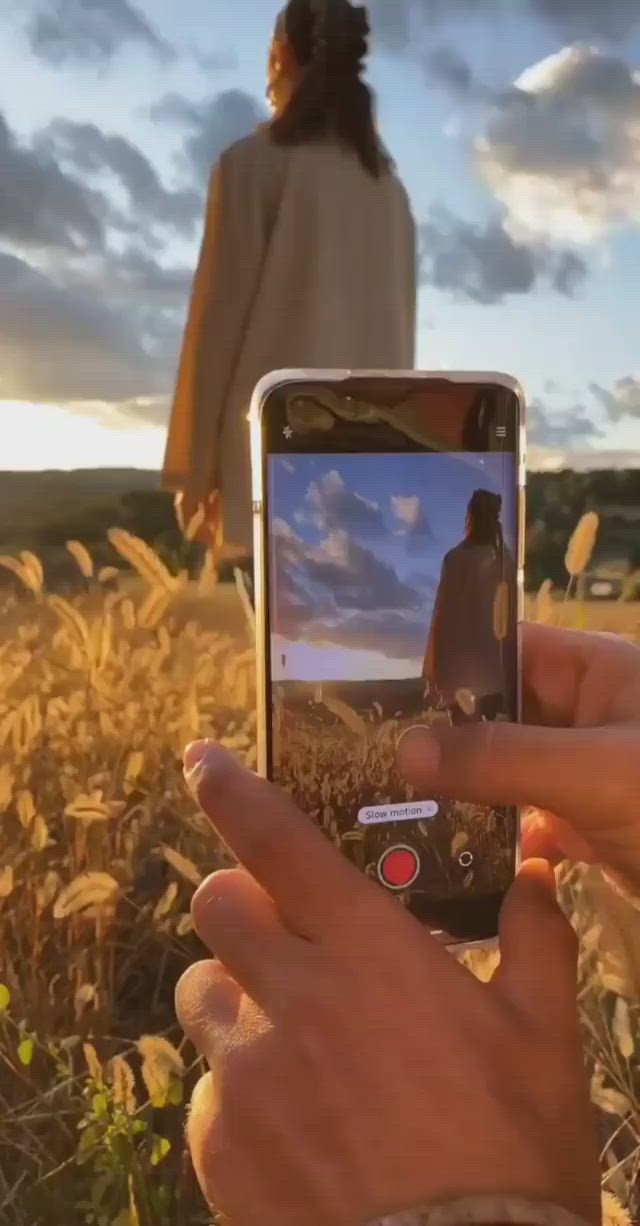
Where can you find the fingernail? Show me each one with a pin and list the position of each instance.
(201, 760)
(418, 749)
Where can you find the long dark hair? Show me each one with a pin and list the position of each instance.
(485, 527)
(330, 40)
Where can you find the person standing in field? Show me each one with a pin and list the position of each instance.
(308, 260)
(474, 618)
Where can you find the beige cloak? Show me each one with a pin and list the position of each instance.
(307, 261)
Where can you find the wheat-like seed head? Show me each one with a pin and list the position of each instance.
(21, 572)
(613, 1213)
(142, 558)
(582, 544)
(544, 604)
(82, 557)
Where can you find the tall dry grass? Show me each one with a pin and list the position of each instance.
(100, 848)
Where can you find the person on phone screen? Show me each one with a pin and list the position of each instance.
(474, 618)
(308, 260)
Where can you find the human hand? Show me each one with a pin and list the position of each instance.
(357, 1069)
(576, 758)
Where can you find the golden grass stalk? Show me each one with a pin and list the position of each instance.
(22, 572)
(86, 890)
(582, 544)
(142, 558)
(186, 868)
(164, 905)
(613, 1213)
(466, 700)
(122, 1078)
(347, 715)
(161, 1064)
(107, 574)
(544, 609)
(6, 881)
(88, 809)
(192, 528)
(33, 564)
(82, 557)
(72, 620)
(94, 1067)
(622, 1031)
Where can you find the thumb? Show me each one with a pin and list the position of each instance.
(580, 774)
(538, 950)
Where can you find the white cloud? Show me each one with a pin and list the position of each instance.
(562, 148)
(622, 400)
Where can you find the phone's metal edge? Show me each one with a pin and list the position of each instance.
(278, 378)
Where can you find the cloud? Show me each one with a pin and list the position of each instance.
(448, 68)
(87, 314)
(412, 523)
(395, 24)
(562, 149)
(615, 19)
(92, 152)
(332, 507)
(210, 125)
(340, 591)
(89, 31)
(486, 264)
(620, 401)
(62, 341)
(40, 204)
(560, 429)
(398, 26)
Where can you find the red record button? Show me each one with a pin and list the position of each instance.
(398, 867)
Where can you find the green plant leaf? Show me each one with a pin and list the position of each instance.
(159, 1149)
(100, 1105)
(5, 997)
(26, 1049)
(87, 1144)
(176, 1093)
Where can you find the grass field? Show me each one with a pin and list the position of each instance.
(100, 849)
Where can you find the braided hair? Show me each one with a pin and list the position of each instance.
(330, 40)
(485, 527)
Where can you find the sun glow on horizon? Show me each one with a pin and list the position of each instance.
(50, 436)
(317, 662)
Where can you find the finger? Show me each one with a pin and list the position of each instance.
(201, 1129)
(580, 774)
(208, 1002)
(538, 949)
(555, 662)
(537, 841)
(238, 922)
(313, 887)
(546, 837)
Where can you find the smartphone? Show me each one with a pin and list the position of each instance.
(389, 528)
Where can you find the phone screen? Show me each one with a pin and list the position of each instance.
(391, 524)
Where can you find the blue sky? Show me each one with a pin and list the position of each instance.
(358, 543)
(515, 124)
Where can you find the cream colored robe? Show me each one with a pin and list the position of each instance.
(307, 261)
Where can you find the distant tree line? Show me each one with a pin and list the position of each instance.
(555, 502)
